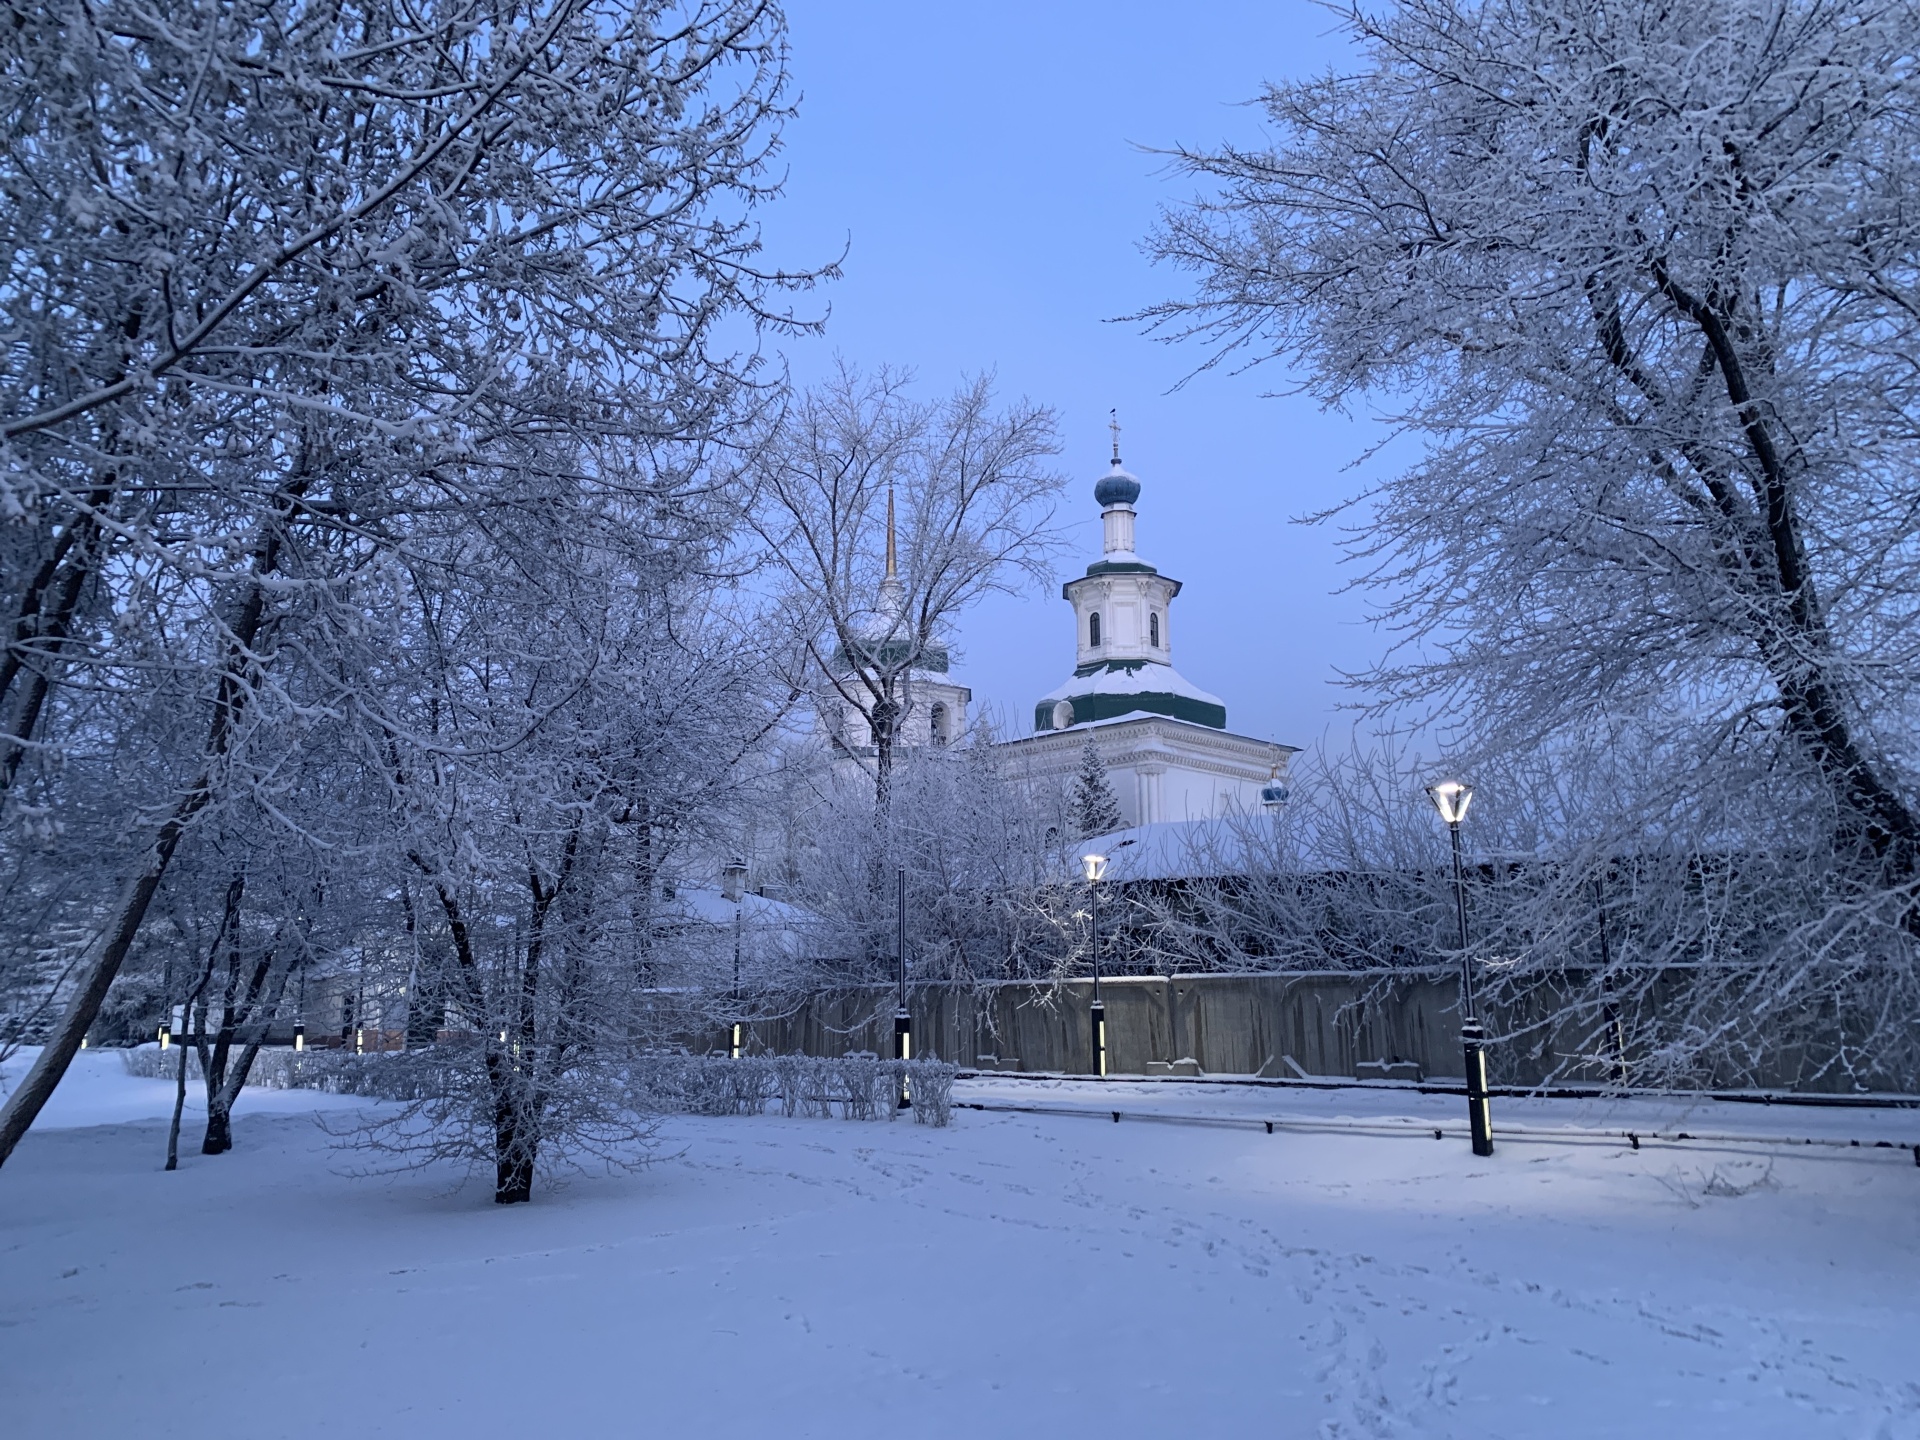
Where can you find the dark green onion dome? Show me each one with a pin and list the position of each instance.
(893, 653)
(1116, 487)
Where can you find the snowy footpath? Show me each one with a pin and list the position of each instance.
(1019, 1274)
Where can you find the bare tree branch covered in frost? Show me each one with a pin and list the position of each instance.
(1663, 966)
(962, 483)
(536, 809)
(318, 320)
(976, 846)
(1642, 276)
(227, 957)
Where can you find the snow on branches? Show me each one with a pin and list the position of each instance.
(356, 359)
(1643, 278)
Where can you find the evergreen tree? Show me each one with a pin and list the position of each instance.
(1093, 806)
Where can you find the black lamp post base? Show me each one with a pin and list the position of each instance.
(903, 1050)
(1479, 1108)
(1098, 1018)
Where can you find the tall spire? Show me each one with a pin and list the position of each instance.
(893, 595)
(892, 572)
(1113, 424)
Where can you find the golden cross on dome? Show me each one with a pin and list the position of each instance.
(1113, 424)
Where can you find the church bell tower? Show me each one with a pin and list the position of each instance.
(1122, 614)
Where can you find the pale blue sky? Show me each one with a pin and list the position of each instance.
(982, 163)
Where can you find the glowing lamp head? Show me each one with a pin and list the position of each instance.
(1451, 798)
(1095, 867)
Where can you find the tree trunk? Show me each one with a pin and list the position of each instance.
(213, 1063)
(513, 1175)
(179, 1105)
(230, 701)
(220, 1097)
(219, 1136)
(1796, 644)
(519, 1106)
(512, 1145)
(66, 581)
(646, 877)
(73, 561)
(884, 724)
(1793, 641)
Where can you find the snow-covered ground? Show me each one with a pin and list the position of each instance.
(1017, 1274)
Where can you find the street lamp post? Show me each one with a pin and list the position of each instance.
(1451, 798)
(733, 886)
(902, 1017)
(1096, 867)
(1616, 1032)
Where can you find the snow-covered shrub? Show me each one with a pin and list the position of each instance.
(378, 1077)
(846, 1087)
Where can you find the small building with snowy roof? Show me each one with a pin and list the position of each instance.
(1164, 740)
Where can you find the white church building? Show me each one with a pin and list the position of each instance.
(1163, 739)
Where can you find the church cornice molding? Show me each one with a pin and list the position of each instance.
(1132, 665)
(1102, 579)
(1154, 741)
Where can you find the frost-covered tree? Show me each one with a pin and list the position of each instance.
(1092, 805)
(886, 516)
(549, 751)
(976, 846)
(293, 299)
(1660, 964)
(1642, 276)
(232, 986)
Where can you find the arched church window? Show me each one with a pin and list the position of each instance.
(1093, 630)
(1062, 715)
(1153, 631)
(938, 722)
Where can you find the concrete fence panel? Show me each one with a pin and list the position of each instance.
(1279, 1024)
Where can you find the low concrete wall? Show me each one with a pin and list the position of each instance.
(1325, 1023)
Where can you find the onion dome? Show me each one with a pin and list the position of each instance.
(1116, 487)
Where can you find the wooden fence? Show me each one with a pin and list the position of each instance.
(1333, 1023)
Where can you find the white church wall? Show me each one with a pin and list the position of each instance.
(1160, 768)
(1172, 791)
(936, 715)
